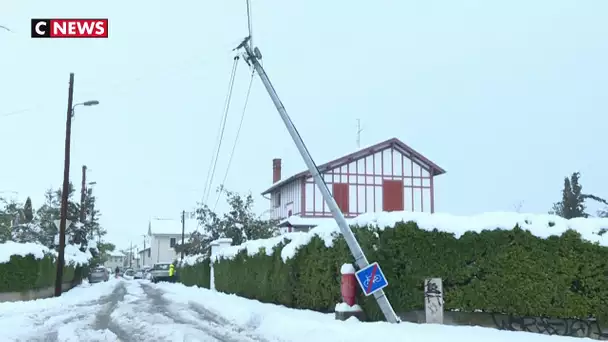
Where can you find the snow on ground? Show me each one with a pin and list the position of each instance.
(541, 225)
(62, 318)
(139, 311)
(278, 323)
(72, 254)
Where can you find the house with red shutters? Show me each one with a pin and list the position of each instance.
(388, 176)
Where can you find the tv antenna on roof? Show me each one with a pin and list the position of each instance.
(359, 130)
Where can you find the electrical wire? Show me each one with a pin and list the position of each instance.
(213, 164)
(116, 87)
(238, 132)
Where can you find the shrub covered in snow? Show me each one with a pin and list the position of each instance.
(195, 274)
(27, 266)
(536, 265)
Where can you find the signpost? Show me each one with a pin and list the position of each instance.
(371, 279)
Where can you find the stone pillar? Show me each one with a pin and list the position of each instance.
(433, 300)
(216, 247)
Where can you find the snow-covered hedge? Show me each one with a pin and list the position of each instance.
(525, 264)
(26, 266)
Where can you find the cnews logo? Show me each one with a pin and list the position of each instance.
(69, 28)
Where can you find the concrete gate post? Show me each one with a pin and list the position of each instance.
(216, 247)
(433, 300)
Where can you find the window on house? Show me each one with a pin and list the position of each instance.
(172, 242)
(277, 199)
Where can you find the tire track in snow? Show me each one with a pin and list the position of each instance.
(140, 320)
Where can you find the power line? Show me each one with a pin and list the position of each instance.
(238, 132)
(213, 164)
(116, 87)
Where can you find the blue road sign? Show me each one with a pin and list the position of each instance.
(371, 279)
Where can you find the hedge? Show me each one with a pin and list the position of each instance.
(197, 274)
(500, 271)
(24, 273)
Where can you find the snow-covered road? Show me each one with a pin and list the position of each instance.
(132, 311)
(123, 311)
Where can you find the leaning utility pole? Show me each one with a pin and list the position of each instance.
(65, 191)
(253, 57)
(183, 232)
(83, 191)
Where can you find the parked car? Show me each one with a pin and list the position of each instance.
(160, 272)
(139, 275)
(128, 274)
(98, 274)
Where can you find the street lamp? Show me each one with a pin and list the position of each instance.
(66, 183)
(86, 103)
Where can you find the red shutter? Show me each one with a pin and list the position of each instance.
(392, 195)
(340, 191)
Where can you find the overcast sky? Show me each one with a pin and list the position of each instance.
(508, 97)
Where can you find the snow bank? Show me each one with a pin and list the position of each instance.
(11, 248)
(278, 323)
(541, 225)
(72, 254)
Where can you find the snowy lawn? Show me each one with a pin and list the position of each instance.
(280, 323)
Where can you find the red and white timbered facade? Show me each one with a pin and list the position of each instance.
(389, 176)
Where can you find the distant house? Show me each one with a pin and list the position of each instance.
(388, 176)
(115, 259)
(163, 235)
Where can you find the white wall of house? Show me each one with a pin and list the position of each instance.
(161, 249)
(114, 261)
(365, 178)
(287, 198)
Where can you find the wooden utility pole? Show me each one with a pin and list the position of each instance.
(183, 232)
(143, 255)
(83, 192)
(65, 191)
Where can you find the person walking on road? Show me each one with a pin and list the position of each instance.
(116, 272)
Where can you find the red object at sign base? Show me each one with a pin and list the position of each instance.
(349, 289)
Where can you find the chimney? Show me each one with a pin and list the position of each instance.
(276, 170)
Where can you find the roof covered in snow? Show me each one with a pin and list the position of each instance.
(115, 254)
(393, 142)
(160, 226)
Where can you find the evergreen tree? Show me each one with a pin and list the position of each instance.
(46, 215)
(573, 199)
(28, 211)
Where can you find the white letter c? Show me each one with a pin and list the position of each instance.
(37, 28)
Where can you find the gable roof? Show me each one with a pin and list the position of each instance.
(393, 142)
(160, 226)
